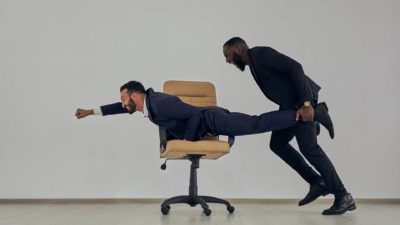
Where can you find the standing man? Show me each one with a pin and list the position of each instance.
(282, 80)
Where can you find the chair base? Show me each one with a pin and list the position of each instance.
(193, 199)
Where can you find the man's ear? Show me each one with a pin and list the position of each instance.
(238, 50)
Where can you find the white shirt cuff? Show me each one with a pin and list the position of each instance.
(97, 111)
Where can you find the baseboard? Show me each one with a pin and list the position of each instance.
(159, 200)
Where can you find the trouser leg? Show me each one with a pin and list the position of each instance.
(279, 144)
(235, 124)
(307, 140)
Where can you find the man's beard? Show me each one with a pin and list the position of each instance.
(238, 62)
(131, 107)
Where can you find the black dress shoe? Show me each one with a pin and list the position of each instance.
(322, 116)
(315, 191)
(341, 206)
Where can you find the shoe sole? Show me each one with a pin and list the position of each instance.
(350, 208)
(323, 194)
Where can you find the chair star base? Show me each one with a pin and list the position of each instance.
(193, 198)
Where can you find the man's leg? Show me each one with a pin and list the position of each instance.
(222, 122)
(307, 140)
(279, 144)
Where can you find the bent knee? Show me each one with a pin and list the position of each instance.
(311, 150)
(277, 147)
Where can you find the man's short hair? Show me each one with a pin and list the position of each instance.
(235, 41)
(133, 86)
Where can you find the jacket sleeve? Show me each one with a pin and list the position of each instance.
(112, 109)
(175, 109)
(290, 67)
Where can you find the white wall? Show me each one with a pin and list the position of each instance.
(56, 56)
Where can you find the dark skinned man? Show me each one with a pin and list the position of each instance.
(282, 80)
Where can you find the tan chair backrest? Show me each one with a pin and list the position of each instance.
(195, 93)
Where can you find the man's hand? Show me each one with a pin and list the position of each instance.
(82, 113)
(305, 113)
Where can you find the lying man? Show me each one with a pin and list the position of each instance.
(184, 121)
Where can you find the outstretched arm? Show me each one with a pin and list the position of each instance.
(111, 109)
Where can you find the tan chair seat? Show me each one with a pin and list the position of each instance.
(211, 149)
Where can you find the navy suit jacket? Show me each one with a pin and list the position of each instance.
(281, 78)
(180, 120)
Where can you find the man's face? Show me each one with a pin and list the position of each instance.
(127, 101)
(232, 57)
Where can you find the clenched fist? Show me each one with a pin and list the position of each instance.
(82, 113)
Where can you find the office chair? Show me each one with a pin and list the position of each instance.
(197, 94)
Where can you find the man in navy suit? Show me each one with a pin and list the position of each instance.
(184, 121)
(282, 80)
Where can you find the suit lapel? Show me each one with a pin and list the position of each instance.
(148, 96)
(253, 69)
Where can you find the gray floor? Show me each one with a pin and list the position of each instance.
(149, 214)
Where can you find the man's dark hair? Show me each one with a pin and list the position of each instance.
(133, 86)
(235, 41)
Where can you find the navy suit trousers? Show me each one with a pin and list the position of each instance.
(306, 137)
(223, 122)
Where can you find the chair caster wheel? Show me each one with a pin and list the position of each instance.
(207, 212)
(165, 209)
(163, 167)
(230, 209)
